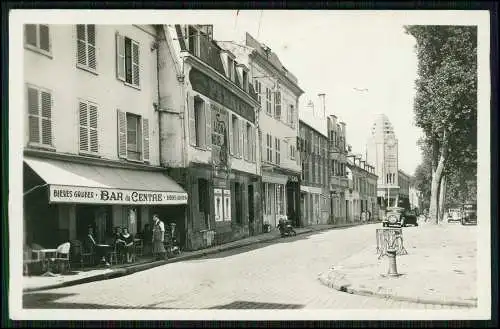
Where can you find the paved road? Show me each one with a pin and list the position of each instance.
(276, 275)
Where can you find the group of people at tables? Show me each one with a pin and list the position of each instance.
(124, 243)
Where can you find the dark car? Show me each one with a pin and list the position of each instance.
(469, 214)
(397, 216)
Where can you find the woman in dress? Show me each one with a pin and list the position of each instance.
(158, 238)
(128, 244)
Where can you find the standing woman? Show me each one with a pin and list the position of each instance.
(158, 238)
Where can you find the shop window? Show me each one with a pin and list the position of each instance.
(37, 37)
(86, 47)
(39, 116)
(127, 60)
(88, 117)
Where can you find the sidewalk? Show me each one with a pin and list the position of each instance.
(440, 268)
(37, 283)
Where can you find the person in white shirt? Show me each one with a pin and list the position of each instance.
(158, 238)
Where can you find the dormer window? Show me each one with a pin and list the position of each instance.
(230, 68)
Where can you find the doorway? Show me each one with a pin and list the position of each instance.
(250, 210)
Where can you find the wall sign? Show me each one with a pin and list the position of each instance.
(96, 195)
(207, 86)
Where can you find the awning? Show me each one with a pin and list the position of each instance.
(71, 182)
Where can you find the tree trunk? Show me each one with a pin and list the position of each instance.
(436, 181)
(442, 196)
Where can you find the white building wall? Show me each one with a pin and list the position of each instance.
(68, 83)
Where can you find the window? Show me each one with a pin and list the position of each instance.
(37, 37)
(277, 104)
(133, 137)
(203, 203)
(230, 68)
(292, 152)
(280, 205)
(264, 199)
(303, 175)
(291, 115)
(128, 60)
(87, 113)
(200, 126)
(258, 90)
(85, 46)
(277, 143)
(245, 80)
(250, 142)
(268, 101)
(236, 135)
(193, 41)
(269, 147)
(39, 116)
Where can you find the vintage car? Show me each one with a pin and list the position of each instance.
(469, 214)
(398, 216)
(454, 215)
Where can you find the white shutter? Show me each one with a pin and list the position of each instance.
(33, 115)
(145, 139)
(122, 134)
(241, 128)
(120, 57)
(245, 140)
(230, 135)
(93, 132)
(135, 64)
(84, 126)
(91, 46)
(192, 120)
(46, 118)
(81, 45)
(208, 129)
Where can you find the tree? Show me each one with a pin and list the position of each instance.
(445, 104)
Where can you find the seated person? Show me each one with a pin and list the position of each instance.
(90, 246)
(128, 241)
(119, 243)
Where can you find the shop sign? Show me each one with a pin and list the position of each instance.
(97, 195)
(207, 86)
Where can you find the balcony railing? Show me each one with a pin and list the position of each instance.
(339, 182)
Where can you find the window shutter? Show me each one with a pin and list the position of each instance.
(252, 143)
(46, 118)
(44, 37)
(122, 134)
(135, 64)
(120, 57)
(91, 46)
(33, 115)
(84, 126)
(145, 139)
(81, 45)
(245, 140)
(241, 129)
(208, 129)
(93, 116)
(192, 120)
(230, 134)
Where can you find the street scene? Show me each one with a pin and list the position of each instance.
(241, 164)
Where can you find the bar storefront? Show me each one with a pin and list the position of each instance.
(63, 198)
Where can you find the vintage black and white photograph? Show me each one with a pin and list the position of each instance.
(296, 164)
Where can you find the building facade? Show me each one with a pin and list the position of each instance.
(278, 95)
(339, 183)
(404, 189)
(314, 186)
(361, 197)
(91, 147)
(210, 135)
(382, 152)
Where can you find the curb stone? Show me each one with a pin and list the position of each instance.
(116, 273)
(346, 287)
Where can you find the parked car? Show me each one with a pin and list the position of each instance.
(454, 215)
(398, 216)
(469, 214)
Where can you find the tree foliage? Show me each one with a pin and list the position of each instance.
(445, 104)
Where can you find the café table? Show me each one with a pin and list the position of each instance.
(44, 256)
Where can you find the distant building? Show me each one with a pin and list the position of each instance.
(382, 152)
(361, 196)
(404, 189)
(314, 186)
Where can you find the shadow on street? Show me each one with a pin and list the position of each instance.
(257, 306)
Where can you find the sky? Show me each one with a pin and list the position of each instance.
(336, 54)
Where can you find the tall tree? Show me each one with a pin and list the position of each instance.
(445, 104)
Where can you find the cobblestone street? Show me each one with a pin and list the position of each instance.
(274, 275)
